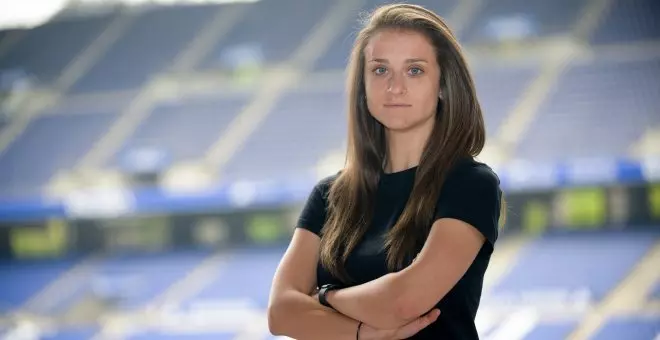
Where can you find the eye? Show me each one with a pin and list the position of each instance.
(380, 70)
(415, 71)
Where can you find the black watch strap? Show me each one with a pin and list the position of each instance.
(323, 291)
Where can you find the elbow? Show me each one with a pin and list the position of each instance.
(274, 319)
(408, 308)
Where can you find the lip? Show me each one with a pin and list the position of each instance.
(397, 105)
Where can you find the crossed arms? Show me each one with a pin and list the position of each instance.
(388, 302)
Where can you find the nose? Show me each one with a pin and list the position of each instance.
(396, 84)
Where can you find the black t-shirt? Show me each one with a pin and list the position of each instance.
(470, 193)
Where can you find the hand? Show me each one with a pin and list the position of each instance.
(404, 332)
(315, 294)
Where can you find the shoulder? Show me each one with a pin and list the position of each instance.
(471, 173)
(471, 193)
(322, 187)
(315, 210)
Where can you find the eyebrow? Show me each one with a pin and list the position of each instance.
(409, 61)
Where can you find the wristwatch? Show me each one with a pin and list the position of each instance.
(324, 290)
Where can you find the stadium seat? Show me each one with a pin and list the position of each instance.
(584, 266)
(522, 20)
(244, 278)
(22, 280)
(630, 328)
(587, 103)
(305, 125)
(161, 335)
(629, 21)
(338, 52)
(551, 331)
(43, 52)
(56, 141)
(267, 34)
(149, 45)
(184, 129)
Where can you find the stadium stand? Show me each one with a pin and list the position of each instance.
(185, 128)
(21, 281)
(576, 121)
(629, 20)
(43, 52)
(295, 119)
(57, 141)
(148, 46)
(586, 265)
(599, 107)
(522, 20)
(630, 328)
(250, 41)
(339, 49)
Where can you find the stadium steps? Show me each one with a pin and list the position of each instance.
(648, 144)
(140, 107)
(69, 76)
(276, 83)
(593, 14)
(60, 288)
(126, 123)
(515, 125)
(627, 298)
(463, 14)
(503, 259)
(96, 50)
(9, 41)
(192, 283)
(224, 20)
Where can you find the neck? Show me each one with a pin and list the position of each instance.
(404, 148)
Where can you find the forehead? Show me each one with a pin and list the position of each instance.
(394, 43)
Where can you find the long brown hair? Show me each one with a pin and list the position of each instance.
(458, 133)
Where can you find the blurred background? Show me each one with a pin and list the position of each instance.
(154, 157)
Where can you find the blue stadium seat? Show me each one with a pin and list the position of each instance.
(55, 141)
(293, 127)
(135, 280)
(630, 328)
(79, 333)
(184, 130)
(655, 293)
(574, 262)
(161, 335)
(496, 99)
(246, 276)
(21, 280)
(629, 20)
(46, 50)
(130, 281)
(589, 102)
(551, 331)
(338, 52)
(149, 45)
(524, 18)
(268, 31)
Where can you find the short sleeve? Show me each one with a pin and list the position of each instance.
(313, 214)
(472, 195)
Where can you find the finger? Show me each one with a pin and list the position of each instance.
(417, 325)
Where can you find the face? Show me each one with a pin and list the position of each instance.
(402, 79)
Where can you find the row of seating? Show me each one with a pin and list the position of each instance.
(593, 264)
(155, 37)
(596, 109)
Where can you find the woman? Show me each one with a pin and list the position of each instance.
(407, 228)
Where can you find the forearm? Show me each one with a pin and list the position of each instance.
(376, 303)
(301, 317)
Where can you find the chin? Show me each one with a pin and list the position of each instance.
(397, 124)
